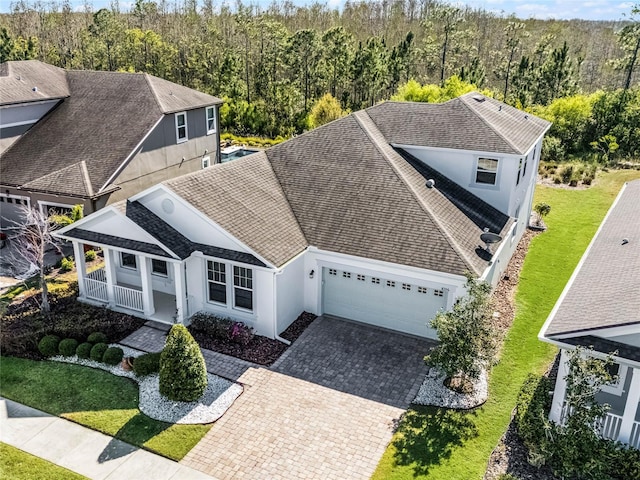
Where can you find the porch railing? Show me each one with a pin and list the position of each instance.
(609, 427)
(96, 290)
(99, 275)
(634, 439)
(128, 298)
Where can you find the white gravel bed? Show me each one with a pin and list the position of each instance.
(433, 392)
(218, 397)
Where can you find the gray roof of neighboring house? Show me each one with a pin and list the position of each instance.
(470, 122)
(245, 198)
(605, 291)
(77, 147)
(31, 81)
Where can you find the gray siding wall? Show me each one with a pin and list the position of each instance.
(161, 158)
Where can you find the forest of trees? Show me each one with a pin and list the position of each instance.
(273, 66)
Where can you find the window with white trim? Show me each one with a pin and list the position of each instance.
(346, 274)
(211, 120)
(422, 289)
(391, 283)
(206, 161)
(487, 171)
(438, 293)
(361, 277)
(332, 271)
(243, 288)
(181, 127)
(406, 286)
(128, 260)
(217, 280)
(519, 172)
(375, 280)
(619, 372)
(159, 267)
(524, 168)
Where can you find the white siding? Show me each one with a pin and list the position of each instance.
(112, 223)
(290, 292)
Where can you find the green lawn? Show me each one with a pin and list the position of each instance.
(96, 399)
(443, 444)
(18, 465)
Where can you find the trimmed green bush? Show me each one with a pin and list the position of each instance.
(67, 347)
(212, 325)
(183, 373)
(112, 355)
(66, 264)
(97, 337)
(90, 255)
(97, 351)
(84, 350)
(147, 364)
(48, 346)
(532, 408)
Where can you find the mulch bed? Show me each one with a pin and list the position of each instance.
(260, 350)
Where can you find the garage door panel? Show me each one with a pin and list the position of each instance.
(379, 301)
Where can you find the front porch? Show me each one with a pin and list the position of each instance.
(136, 291)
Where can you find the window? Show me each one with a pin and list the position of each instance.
(346, 274)
(361, 277)
(206, 161)
(619, 371)
(159, 267)
(211, 120)
(406, 286)
(524, 168)
(422, 289)
(217, 279)
(391, 284)
(243, 287)
(128, 260)
(332, 271)
(438, 293)
(519, 172)
(375, 280)
(181, 127)
(487, 171)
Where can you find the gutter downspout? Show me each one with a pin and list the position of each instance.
(275, 311)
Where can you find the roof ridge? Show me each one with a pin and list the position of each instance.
(153, 92)
(86, 178)
(463, 99)
(367, 124)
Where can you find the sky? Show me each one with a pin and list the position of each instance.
(542, 9)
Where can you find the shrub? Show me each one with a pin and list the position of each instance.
(112, 355)
(97, 351)
(97, 337)
(84, 350)
(90, 255)
(212, 326)
(566, 173)
(241, 333)
(67, 347)
(147, 364)
(552, 149)
(48, 346)
(532, 407)
(183, 372)
(66, 264)
(507, 476)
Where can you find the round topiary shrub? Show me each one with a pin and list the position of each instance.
(48, 346)
(183, 373)
(67, 347)
(147, 364)
(97, 337)
(84, 350)
(97, 351)
(112, 355)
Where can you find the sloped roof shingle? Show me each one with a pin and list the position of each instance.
(31, 81)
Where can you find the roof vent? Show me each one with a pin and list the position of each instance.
(500, 108)
(479, 98)
(526, 117)
(35, 89)
(431, 183)
(625, 241)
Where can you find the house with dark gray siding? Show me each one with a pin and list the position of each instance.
(94, 138)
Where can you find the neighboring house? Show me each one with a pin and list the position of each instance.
(372, 217)
(600, 308)
(69, 137)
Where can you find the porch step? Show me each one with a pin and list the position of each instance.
(165, 327)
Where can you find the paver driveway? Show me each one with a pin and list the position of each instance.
(326, 410)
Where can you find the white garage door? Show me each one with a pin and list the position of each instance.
(406, 307)
(11, 210)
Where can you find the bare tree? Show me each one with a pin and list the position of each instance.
(30, 239)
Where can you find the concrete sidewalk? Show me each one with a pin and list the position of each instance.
(83, 450)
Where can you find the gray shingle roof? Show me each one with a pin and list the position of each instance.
(606, 346)
(101, 122)
(114, 241)
(606, 289)
(462, 124)
(245, 198)
(31, 81)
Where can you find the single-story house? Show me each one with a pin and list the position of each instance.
(375, 217)
(600, 308)
(94, 138)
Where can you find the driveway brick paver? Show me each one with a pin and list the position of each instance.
(366, 361)
(286, 428)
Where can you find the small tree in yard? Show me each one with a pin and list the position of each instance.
(542, 210)
(183, 372)
(466, 337)
(31, 237)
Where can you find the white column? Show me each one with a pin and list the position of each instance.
(147, 288)
(81, 267)
(631, 407)
(181, 294)
(555, 415)
(110, 273)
